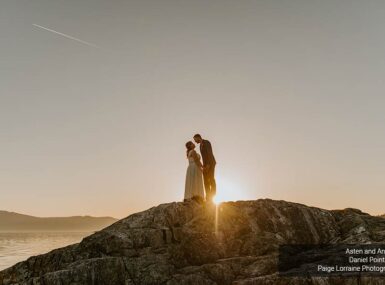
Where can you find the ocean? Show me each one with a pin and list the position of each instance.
(15, 247)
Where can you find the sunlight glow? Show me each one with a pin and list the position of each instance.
(217, 200)
(228, 191)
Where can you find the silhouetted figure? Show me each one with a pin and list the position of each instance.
(194, 182)
(208, 166)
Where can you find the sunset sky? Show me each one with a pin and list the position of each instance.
(290, 94)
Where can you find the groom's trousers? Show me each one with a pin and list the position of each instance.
(210, 184)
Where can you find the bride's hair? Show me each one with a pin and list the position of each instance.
(188, 146)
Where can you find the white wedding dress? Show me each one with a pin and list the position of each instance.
(194, 179)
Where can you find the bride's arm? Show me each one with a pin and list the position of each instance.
(196, 159)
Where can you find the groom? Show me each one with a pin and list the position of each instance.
(208, 166)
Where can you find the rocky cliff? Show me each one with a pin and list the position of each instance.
(181, 243)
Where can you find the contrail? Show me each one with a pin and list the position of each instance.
(67, 36)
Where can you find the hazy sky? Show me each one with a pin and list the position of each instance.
(290, 93)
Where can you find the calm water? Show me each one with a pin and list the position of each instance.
(15, 247)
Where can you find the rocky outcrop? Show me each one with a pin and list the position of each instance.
(193, 243)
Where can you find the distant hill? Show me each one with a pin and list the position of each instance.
(14, 222)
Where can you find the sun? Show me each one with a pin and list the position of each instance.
(217, 200)
(228, 191)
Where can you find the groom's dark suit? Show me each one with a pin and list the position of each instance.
(209, 168)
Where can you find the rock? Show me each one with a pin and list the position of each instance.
(180, 243)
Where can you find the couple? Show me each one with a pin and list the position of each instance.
(194, 183)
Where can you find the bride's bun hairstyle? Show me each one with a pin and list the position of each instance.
(189, 146)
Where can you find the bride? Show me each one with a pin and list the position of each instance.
(194, 181)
